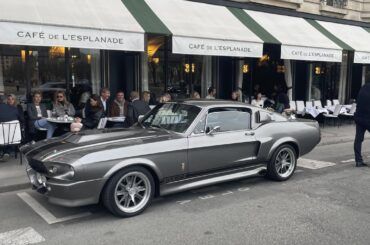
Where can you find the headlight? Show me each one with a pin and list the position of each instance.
(60, 170)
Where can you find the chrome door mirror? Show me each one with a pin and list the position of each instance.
(140, 118)
(212, 130)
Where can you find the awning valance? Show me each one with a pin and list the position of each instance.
(299, 39)
(96, 24)
(356, 37)
(205, 29)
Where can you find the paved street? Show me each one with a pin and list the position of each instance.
(326, 202)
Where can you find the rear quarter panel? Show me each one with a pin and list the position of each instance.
(271, 135)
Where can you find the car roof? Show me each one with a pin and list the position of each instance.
(210, 102)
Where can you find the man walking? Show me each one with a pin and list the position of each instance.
(362, 119)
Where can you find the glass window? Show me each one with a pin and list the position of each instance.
(229, 119)
(174, 117)
(47, 72)
(184, 72)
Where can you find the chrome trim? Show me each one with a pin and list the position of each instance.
(187, 184)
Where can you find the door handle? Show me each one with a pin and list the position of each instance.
(249, 133)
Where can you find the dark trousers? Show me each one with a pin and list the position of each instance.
(360, 133)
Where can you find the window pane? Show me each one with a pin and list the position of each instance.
(229, 120)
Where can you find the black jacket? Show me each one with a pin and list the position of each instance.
(92, 118)
(362, 114)
(134, 110)
(8, 113)
(32, 116)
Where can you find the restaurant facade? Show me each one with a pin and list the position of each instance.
(178, 46)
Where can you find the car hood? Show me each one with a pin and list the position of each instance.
(73, 146)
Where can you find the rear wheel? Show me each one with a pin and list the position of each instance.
(282, 163)
(129, 192)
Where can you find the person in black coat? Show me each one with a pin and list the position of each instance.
(93, 112)
(362, 119)
(136, 108)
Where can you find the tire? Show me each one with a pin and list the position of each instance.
(129, 192)
(282, 163)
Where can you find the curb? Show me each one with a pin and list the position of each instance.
(339, 141)
(15, 187)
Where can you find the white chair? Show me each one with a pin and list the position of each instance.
(317, 103)
(334, 116)
(292, 105)
(351, 112)
(102, 122)
(300, 107)
(335, 102)
(10, 134)
(309, 104)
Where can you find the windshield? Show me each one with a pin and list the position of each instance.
(171, 116)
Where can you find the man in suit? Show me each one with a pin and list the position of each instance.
(104, 100)
(362, 119)
(136, 108)
(7, 113)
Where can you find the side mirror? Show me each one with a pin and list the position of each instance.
(210, 131)
(140, 118)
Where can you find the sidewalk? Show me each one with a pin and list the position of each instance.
(13, 175)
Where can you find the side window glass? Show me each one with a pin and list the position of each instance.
(229, 119)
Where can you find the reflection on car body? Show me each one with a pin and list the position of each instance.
(175, 147)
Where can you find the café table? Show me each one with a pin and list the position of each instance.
(61, 120)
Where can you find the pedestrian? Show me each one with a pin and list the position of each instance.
(37, 116)
(136, 108)
(211, 93)
(118, 108)
(12, 101)
(62, 106)
(362, 119)
(258, 101)
(94, 112)
(195, 95)
(104, 100)
(235, 95)
(146, 97)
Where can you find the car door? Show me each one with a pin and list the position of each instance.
(226, 141)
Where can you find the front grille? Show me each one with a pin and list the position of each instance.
(38, 166)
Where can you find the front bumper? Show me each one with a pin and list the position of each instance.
(68, 194)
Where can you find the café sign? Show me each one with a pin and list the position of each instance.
(45, 35)
(203, 46)
(310, 53)
(362, 57)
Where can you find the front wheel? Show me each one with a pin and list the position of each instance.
(282, 163)
(129, 192)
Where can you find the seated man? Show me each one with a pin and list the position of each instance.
(7, 113)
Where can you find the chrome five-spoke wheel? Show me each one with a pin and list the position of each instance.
(129, 191)
(282, 163)
(132, 192)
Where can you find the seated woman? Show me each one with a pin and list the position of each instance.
(258, 101)
(61, 106)
(37, 116)
(93, 112)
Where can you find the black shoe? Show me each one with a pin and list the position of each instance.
(361, 164)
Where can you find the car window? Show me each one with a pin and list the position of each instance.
(171, 116)
(229, 119)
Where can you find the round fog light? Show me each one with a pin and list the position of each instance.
(53, 170)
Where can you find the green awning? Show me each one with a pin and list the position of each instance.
(329, 35)
(146, 17)
(253, 26)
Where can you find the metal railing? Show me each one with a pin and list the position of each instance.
(335, 3)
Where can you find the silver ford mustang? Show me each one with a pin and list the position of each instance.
(175, 147)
